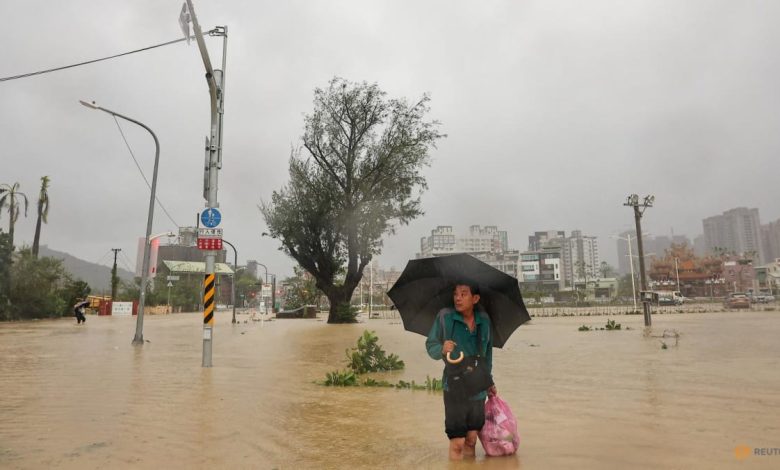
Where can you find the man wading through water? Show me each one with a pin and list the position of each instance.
(457, 329)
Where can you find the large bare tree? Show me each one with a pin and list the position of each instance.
(357, 174)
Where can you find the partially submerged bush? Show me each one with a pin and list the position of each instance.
(345, 378)
(370, 357)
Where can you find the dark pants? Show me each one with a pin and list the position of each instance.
(462, 415)
(80, 318)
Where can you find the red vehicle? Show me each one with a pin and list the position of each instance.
(737, 300)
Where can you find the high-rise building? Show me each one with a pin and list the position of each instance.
(539, 239)
(487, 238)
(736, 231)
(770, 236)
(580, 258)
(443, 241)
(542, 270)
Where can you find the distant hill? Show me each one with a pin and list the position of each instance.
(96, 275)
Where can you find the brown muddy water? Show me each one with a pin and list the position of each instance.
(83, 397)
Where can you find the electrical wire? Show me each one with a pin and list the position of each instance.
(101, 258)
(125, 261)
(41, 72)
(142, 172)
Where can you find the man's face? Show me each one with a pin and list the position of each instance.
(463, 299)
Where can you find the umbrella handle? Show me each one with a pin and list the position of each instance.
(454, 361)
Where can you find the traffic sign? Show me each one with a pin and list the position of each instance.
(210, 238)
(209, 232)
(211, 217)
(209, 244)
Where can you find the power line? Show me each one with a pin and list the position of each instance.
(41, 72)
(142, 172)
(125, 261)
(101, 258)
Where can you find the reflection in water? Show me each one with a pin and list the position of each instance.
(84, 397)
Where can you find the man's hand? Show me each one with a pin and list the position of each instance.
(492, 391)
(448, 347)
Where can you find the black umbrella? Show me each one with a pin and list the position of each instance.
(426, 286)
(83, 303)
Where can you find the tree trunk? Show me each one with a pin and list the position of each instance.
(37, 238)
(340, 298)
(11, 231)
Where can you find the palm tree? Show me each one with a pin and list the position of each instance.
(43, 213)
(9, 196)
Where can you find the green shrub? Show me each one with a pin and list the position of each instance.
(370, 357)
(345, 378)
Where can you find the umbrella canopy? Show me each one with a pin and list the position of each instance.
(426, 286)
(83, 303)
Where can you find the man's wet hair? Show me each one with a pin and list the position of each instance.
(473, 286)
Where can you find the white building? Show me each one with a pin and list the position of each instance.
(580, 258)
(736, 231)
(443, 241)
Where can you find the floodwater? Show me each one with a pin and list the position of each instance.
(83, 397)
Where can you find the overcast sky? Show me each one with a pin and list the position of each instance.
(555, 111)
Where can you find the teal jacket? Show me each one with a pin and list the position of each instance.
(455, 329)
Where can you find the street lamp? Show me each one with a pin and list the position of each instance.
(233, 283)
(273, 288)
(631, 263)
(677, 272)
(139, 326)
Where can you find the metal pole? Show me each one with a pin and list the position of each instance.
(642, 278)
(139, 325)
(266, 282)
(370, 288)
(631, 263)
(235, 272)
(216, 82)
(273, 292)
(677, 272)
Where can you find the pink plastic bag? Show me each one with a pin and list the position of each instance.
(499, 435)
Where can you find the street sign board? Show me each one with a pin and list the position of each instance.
(210, 238)
(172, 278)
(209, 232)
(210, 244)
(211, 217)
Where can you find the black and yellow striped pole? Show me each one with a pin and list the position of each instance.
(209, 305)
(208, 299)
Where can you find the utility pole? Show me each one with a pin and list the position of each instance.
(639, 209)
(216, 83)
(370, 288)
(114, 278)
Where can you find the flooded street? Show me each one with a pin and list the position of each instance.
(83, 397)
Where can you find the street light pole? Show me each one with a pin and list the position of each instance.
(139, 325)
(235, 272)
(266, 282)
(639, 209)
(677, 272)
(216, 83)
(630, 263)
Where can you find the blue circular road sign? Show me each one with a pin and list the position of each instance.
(210, 217)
